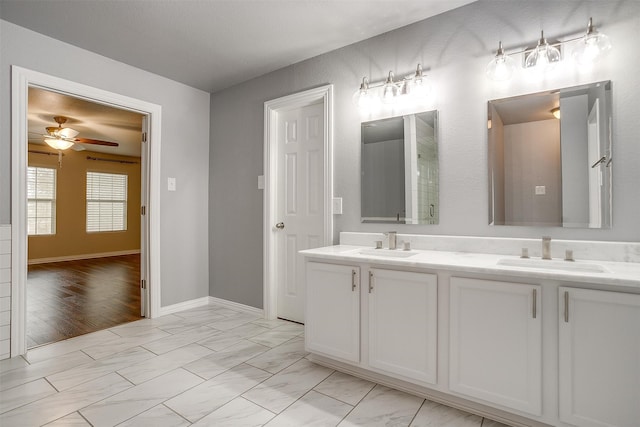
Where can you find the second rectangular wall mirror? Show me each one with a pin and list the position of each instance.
(400, 169)
(550, 158)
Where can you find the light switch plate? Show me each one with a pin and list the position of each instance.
(337, 205)
(541, 190)
(171, 184)
(260, 182)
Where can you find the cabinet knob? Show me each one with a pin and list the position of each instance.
(280, 225)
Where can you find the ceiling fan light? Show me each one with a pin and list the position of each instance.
(68, 133)
(58, 144)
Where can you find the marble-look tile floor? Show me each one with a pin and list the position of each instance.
(209, 366)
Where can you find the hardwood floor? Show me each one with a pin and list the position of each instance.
(71, 298)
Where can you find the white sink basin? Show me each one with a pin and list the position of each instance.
(549, 264)
(387, 253)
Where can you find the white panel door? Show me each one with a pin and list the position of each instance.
(403, 330)
(333, 310)
(496, 343)
(594, 153)
(300, 195)
(599, 344)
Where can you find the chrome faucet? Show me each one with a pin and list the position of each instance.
(546, 247)
(392, 239)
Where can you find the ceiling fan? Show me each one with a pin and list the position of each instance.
(62, 138)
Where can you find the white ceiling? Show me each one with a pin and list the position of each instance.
(214, 44)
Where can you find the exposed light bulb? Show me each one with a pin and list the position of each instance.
(364, 98)
(420, 87)
(591, 47)
(556, 112)
(389, 90)
(544, 57)
(58, 144)
(501, 66)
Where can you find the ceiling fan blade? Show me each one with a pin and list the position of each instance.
(78, 147)
(40, 134)
(96, 142)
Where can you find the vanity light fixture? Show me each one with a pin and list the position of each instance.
(555, 112)
(501, 67)
(591, 47)
(543, 57)
(389, 90)
(588, 49)
(363, 97)
(413, 87)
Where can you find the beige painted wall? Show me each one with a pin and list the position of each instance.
(71, 238)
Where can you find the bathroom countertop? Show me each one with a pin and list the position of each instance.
(623, 274)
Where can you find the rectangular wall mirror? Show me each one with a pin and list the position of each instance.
(550, 158)
(400, 169)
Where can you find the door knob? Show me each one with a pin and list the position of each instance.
(280, 225)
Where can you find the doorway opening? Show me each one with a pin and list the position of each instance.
(83, 216)
(147, 209)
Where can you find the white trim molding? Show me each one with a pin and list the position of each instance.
(81, 257)
(21, 80)
(184, 305)
(236, 306)
(201, 302)
(323, 94)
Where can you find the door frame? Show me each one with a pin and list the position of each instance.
(324, 95)
(21, 80)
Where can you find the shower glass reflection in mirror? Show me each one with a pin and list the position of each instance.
(400, 169)
(550, 158)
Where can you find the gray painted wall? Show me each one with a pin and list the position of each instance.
(531, 159)
(185, 146)
(384, 189)
(455, 48)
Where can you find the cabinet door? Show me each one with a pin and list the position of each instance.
(496, 343)
(403, 315)
(599, 346)
(332, 324)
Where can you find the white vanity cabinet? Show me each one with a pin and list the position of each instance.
(495, 342)
(332, 313)
(599, 363)
(403, 323)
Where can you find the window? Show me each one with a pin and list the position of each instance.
(106, 202)
(41, 201)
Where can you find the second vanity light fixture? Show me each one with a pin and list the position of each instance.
(587, 50)
(411, 88)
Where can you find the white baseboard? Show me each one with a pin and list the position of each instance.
(199, 302)
(82, 256)
(184, 305)
(236, 306)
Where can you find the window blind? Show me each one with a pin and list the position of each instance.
(106, 202)
(41, 201)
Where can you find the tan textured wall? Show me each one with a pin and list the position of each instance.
(71, 238)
